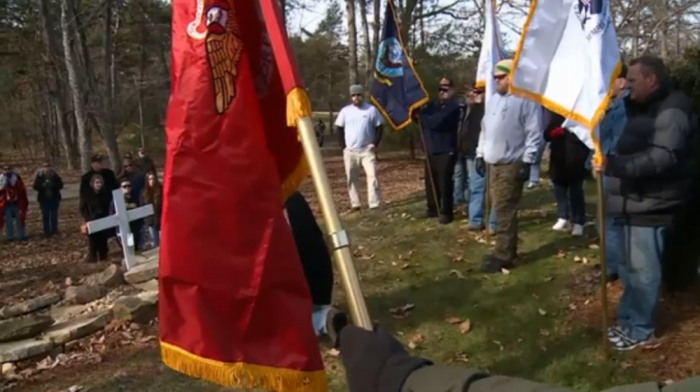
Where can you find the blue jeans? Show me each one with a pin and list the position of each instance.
(613, 241)
(461, 179)
(640, 273)
(49, 216)
(536, 168)
(12, 218)
(571, 204)
(154, 233)
(477, 196)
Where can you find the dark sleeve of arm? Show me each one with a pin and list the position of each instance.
(378, 133)
(671, 133)
(84, 210)
(59, 182)
(341, 137)
(454, 379)
(38, 179)
(84, 186)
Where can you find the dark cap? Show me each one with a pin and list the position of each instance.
(445, 81)
(98, 158)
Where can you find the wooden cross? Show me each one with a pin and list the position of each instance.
(120, 220)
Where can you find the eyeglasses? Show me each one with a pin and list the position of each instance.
(126, 186)
(356, 95)
(499, 77)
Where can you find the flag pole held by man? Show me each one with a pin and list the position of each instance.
(235, 307)
(551, 68)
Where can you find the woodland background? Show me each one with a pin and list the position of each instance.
(78, 76)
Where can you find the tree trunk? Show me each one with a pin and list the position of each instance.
(366, 42)
(56, 96)
(353, 69)
(107, 123)
(75, 81)
(376, 25)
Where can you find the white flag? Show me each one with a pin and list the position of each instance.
(491, 50)
(567, 60)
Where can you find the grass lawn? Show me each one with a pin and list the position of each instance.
(520, 323)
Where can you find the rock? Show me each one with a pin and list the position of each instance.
(81, 295)
(135, 309)
(142, 272)
(151, 253)
(77, 328)
(110, 277)
(150, 285)
(23, 327)
(149, 296)
(29, 306)
(8, 368)
(23, 349)
(66, 312)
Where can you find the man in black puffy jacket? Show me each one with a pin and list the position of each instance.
(651, 174)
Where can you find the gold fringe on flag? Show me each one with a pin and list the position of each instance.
(295, 178)
(242, 375)
(298, 106)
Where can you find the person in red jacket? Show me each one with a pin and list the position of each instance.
(13, 204)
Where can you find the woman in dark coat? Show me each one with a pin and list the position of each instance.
(567, 171)
(95, 205)
(317, 264)
(153, 194)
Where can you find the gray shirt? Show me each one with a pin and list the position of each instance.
(511, 130)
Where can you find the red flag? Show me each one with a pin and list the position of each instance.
(234, 304)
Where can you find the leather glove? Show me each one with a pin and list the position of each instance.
(524, 172)
(480, 167)
(375, 361)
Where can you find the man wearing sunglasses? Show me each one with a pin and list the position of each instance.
(509, 142)
(440, 120)
(360, 131)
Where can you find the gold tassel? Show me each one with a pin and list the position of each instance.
(298, 106)
(242, 375)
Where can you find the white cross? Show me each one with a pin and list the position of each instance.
(121, 219)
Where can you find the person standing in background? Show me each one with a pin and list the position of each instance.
(610, 130)
(360, 130)
(13, 204)
(469, 132)
(567, 171)
(48, 185)
(153, 194)
(146, 163)
(440, 121)
(509, 142)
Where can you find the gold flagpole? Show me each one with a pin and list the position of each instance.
(339, 239)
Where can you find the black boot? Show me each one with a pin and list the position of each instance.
(445, 219)
(493, 264)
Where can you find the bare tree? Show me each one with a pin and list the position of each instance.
(366, 41)
(353, 68)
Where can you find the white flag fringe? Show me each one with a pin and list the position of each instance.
(491, 50)
(567, 60)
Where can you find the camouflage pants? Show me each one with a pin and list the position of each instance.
(506, 191)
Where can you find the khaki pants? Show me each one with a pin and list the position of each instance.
(506, 190)
(368, 161)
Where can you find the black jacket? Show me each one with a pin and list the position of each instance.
(470, 128)
(95, 205)
(568, 154)
(48, 186)
(654, 169)
(312, 249)
(440, 121)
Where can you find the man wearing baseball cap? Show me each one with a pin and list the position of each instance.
(509, 142)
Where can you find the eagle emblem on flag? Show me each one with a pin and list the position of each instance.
(594, 11)
(224, 48)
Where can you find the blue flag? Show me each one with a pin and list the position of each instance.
(396, 89)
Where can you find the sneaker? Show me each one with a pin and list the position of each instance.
(493, 264)
(577, 231)
(561, 225)
(614, 333)
(625, 343)
(532, 185)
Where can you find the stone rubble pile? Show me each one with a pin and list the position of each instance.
(40, 327)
